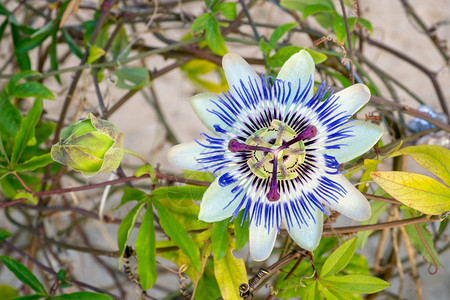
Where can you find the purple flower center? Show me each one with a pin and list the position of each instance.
(278, 154)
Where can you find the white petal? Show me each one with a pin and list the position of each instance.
(298, 66)
(203, 105)
(219, 202)
(352, 98)
(365, 135)
(353, 204)
(308, 236)
(185, 155)
(237, 69)
(260, 241)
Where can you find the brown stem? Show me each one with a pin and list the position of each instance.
(431, 75)
(353, 229)
(349, 41)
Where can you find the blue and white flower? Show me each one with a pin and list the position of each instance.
(276, 149)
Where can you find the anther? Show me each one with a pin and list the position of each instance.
(235, 146)
(309, 132)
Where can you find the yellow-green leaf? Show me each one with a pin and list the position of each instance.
(339, 258)
(30, 197)
(8, 292)
(435, 159)
(95, 53)
(371, 166)
(415, 190)
(361, 284)
(230, 273)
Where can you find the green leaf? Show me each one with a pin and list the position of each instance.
(37, 38)
(23, 274)
(279, 32)
(126, 227)
(214, 38)
(415, 190)
(146, 251)
(371, 166)
(54, 65)
(228, 10)
(241, 230)
(33, 89)
(83, 296)
(146, 170)
(219, 238)
(120, 44)
(366, 24)
(27, 75)
(435, 159)
(361, 284)
(23, 60)
(179, 201)
(26, 132)
(421, 246)
(130, 194)
(378, 207)
(329, 294)
(314, 9)
(300, 5)
(178, 193)
(200, 23)
(8, 292)
(230, 273)
(339, 258)
(339, 27)
(283, 54)
(196, 175)
(357, 266)
(73, 47)
(4, 234)
(35, 162)
(10, 118)
(26, 195)
(207, 287)
(31, 297)
(2, 28)
(178, 235)
(95, 53)
(132, 78)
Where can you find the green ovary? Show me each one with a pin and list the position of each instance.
(288, 159)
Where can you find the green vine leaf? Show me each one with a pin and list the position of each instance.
(126, 227)
(339, 258)
(178, 234)
(23, 274)
(146, 251)
(361, 284)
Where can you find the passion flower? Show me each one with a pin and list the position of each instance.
(276, 151)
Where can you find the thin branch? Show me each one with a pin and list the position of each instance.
(349, 41)
(399, 223)
(431, 75)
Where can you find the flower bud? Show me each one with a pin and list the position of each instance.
(90, 146)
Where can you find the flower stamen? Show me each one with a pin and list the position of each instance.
(309, 132)
(273, 194)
